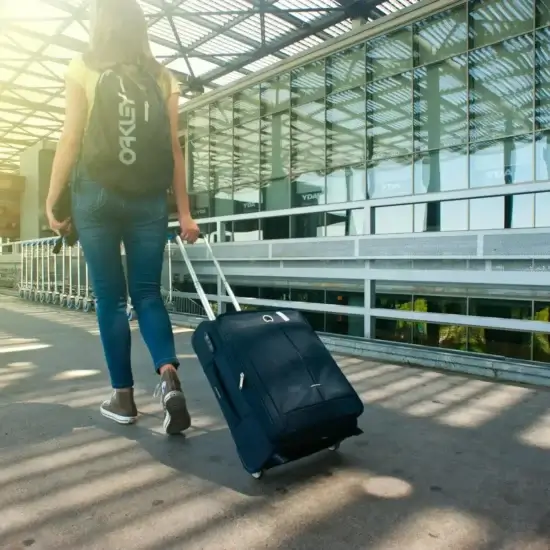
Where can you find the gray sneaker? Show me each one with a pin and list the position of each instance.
(176, 415)
(121, 407)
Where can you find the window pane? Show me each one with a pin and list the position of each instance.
(501, 162)
(246, 164)
(308, 137)
(542, 12)
(275, 147)
(222, 202)
(351, 325)
(541, 341)
(519, 211)
(221, 172)
(346, 69)
(389, 54)
(389, 117)
(390, 178)
(198, 164)
(345, 128)
(221, 114)
(275, 95)
(500, 342)
(246, 230)
(445, 170)
(501, 89)
(308, 189)
(308, 83)
(346, 184)
(487, 213)
(441, 216)
(303, 226)
(501, 309)
(542, 209)
(441, 36)
(246, 198)
(441, 104)
(247, 104)
(275, 194)
(199, 204)
(494, 20)
(199, 122)
(276, 228)
(345, 223)
(542, 79)
(393, 219)
(440, 336)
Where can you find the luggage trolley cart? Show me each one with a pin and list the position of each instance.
(34, 271)
(51, 284)
(22, 272)
(28, 277)
(42, 255)
(64, 294)
(79, 294)
(56, 292)
(88, 304)
(71, 297)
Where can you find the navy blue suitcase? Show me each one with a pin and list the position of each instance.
(280, 390)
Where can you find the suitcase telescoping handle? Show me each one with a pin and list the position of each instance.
(200, 291)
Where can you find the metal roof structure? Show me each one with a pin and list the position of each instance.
(206, 44)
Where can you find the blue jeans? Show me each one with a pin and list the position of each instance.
(104, 220)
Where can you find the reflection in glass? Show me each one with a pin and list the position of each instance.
(221, 159)
(501, 309)
(494, 20)
(308, 83)
(345, 223)
(440, 336)
(308, 137)
(542, 153)
(390, 178)
(303, 226)
(441, 104)
(393, 219)
(221, 114)
(441, 35)
(198, 164)
(389, 54)
(487, 213)
(519, 211)
(308, 189)
(501, 162)
(542, 14)
(346, 69)
(199, 122)
(276, 228)
(275, 95)
(501, 89)
(246, 165)
(390, 117)
(345, 128)
(199, 204)
(346, 184)
(542, 79)
(275, 194)
(500, 342)
(441, 216)
(350, 325)
(247, 104)
(275, 147)
(542, 210)
(222, 202)
(246, 230)
(541, 341)
(444, 170)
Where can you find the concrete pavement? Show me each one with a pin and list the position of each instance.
(446, 462)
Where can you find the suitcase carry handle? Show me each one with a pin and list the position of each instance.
(200, 291)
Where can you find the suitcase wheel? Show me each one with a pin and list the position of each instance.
(334, 447)
(258, 475)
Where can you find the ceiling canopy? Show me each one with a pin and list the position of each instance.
(206, 44)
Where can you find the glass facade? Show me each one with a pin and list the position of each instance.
(457, 103)
(459, 100)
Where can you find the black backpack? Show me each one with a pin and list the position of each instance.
(128, 144)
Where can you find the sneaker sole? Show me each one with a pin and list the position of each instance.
(177, 418)
(119, 419)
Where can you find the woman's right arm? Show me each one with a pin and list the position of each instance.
(189, 229)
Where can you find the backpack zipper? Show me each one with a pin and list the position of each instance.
(146, 111)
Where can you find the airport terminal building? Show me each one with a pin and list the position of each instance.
(391, 184)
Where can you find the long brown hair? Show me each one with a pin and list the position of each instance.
(119, 37)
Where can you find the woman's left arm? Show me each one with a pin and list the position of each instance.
(76, 112)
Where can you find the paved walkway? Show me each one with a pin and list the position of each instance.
(446, 463)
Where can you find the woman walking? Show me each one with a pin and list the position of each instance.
(120, 141)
